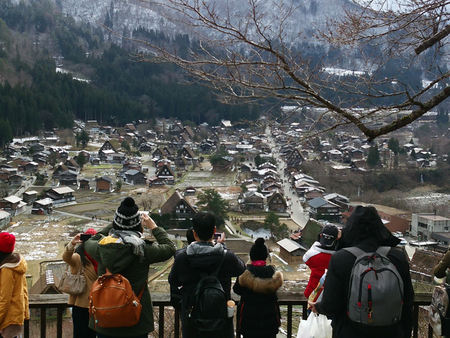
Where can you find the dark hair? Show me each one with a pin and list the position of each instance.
(80, 250)
(204, 224)
(190, 235)
(4, 255)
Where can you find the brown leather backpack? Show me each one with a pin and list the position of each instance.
(113, 303)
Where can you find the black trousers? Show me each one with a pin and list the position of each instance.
(80, 319)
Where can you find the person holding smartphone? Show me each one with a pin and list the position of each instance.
(78, 259)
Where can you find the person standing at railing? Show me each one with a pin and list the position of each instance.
(204, 256)
(120, 248)
(14, 308)
(319, 255)
(365, 231)
(258, 312)
(77, 258)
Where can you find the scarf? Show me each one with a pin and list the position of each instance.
(258, 263)
(93, 261)
(133, 238)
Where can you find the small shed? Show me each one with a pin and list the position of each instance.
(291, 251)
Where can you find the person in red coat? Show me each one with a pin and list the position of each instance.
(318, 256)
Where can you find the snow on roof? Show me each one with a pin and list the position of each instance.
(4, 214)
(12, 199)
(290, 245)
(63, 190)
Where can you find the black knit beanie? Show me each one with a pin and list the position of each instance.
(259, 251)
(127, 216)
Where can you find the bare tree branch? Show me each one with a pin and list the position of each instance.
(251, 52)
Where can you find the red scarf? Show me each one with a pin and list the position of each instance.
(94, 262)
(258, 263)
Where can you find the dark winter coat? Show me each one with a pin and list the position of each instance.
(119, 258)
(206, 257)
(364, 230)
(258, 313)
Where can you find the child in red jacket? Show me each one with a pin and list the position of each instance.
(318, 256)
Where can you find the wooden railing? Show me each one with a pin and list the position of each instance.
(161, 301)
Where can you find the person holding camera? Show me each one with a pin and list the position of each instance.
(204, 256)
(79, 261)
(121, 248)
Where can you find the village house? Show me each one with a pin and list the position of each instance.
(155, 181)
(166, 173)
(5, 219)
(291, 251)
(71, 164)
(251, 201)
(276, 202)
(29, 196)
(135, 177)
(424, 225)
(106, 146)
(31, 167)
(103, 184)
(223, 164)
(84, 184)
(61, 195)
(190, 190)
(12, 204)
(177, 205)
(43, 206)
(59, 169)
(341, 200)
(16, 180)
(4, 175)
(68, 177)
(320, 208)
(187, 153)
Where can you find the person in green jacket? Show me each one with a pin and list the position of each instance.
(119, 247)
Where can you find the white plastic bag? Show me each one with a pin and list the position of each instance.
(316, 326)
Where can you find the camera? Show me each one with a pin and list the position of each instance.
(217, 235)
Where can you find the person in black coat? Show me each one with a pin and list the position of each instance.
(203, 255)
(365, 230)
(258, 312)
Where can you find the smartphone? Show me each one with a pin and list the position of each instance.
(85, 237)
(217, 235)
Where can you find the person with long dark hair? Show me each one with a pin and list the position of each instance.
(78, 259)
(13, 286)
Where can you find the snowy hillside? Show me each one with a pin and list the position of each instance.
(128, 15)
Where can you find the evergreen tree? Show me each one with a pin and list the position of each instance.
(81, 160)
(82, 138)
(6, 134)
(210, 200)
(373, 158)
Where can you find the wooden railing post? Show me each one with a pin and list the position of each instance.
(162, 301)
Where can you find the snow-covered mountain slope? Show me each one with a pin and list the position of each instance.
(130, 14)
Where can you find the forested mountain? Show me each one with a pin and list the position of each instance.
(35, 39)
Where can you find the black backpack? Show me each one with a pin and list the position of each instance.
(207, 314)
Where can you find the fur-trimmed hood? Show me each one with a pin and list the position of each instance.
(261, 285)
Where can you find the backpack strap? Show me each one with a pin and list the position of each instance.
(216, 271)
(355, 251)
(384, 250)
